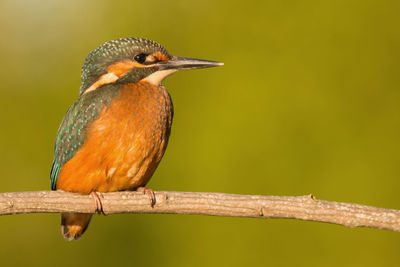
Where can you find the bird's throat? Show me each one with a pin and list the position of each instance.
(157, 77)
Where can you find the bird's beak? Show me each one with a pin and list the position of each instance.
(185, 63)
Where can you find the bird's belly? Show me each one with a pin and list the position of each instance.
(105, 166)
(123, 146)
(138, 165)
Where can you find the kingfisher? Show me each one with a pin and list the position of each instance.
(114, 135)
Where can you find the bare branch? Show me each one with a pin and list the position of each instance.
(216, 204)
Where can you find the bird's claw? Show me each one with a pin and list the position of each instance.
(149, 193)
(98, 206)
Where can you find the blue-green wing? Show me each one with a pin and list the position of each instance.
(72, 132)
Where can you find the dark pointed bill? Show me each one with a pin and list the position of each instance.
(185, 63)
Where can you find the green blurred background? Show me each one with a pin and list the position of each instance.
(308, 102)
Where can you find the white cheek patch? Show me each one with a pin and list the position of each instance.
(157, 77)
(104, 79)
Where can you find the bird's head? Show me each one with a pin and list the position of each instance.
(130, 60)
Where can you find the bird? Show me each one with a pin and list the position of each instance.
(113, 137)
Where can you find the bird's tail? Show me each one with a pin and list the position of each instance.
(73, 225)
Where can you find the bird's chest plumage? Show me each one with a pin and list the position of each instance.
(124, 145)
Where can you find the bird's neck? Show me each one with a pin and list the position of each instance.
(143, 97)
(141, 108)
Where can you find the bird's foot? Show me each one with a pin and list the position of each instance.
(149, 193)
(97, 205)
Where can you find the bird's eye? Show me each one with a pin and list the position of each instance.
(141, 58)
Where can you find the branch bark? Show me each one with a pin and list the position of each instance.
(217, 204)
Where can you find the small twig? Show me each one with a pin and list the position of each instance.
(216, 204)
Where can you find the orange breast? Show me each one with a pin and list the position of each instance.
(124, 145)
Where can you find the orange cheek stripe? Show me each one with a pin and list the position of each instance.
(121, 68)
(160, 56)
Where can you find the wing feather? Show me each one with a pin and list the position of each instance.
(72, 132)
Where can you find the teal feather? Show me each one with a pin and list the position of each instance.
(73, 129)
